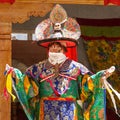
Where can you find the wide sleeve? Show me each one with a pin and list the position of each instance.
(93, 96)
(26, 87)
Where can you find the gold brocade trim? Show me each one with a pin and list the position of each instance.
(58, 98)
(83, 94)
(87, 112)
(26, 84)
(42, 109)
(90, 84)
(88, 80)
(35, 88)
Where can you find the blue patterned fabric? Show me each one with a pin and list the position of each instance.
(60, 84)
(59, 110)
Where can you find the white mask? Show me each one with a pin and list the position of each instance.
(56, 58)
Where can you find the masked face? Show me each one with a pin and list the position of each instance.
(56, 54)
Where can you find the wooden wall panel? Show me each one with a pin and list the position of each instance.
(27, 52)
(5, 57)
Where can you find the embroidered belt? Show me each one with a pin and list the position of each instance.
(58, 98)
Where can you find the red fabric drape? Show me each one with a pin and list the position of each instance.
(7, 1)
(112, 23)
(99, 22)
(116, 2)
(72, 53)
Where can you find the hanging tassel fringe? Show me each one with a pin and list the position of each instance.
(110, 89)
(8, 73)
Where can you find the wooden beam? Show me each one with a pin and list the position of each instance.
(93, 2)
(21, 11)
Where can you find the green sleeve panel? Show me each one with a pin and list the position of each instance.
(92, 96)
(27, 92)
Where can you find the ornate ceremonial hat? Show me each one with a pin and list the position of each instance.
(58, 27)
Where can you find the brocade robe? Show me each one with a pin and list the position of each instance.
(68, 92)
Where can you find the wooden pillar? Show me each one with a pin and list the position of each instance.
(5, 58)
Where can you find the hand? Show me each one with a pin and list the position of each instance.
(107, 73)
(10, 69)
(7, 68)
(13, 74)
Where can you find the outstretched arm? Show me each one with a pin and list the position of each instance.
(25, 89)
(92, 92)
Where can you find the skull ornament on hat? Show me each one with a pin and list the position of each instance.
(59, 28)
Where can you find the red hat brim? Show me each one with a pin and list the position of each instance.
(68, 41)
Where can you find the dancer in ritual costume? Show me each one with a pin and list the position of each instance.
(59, 88)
